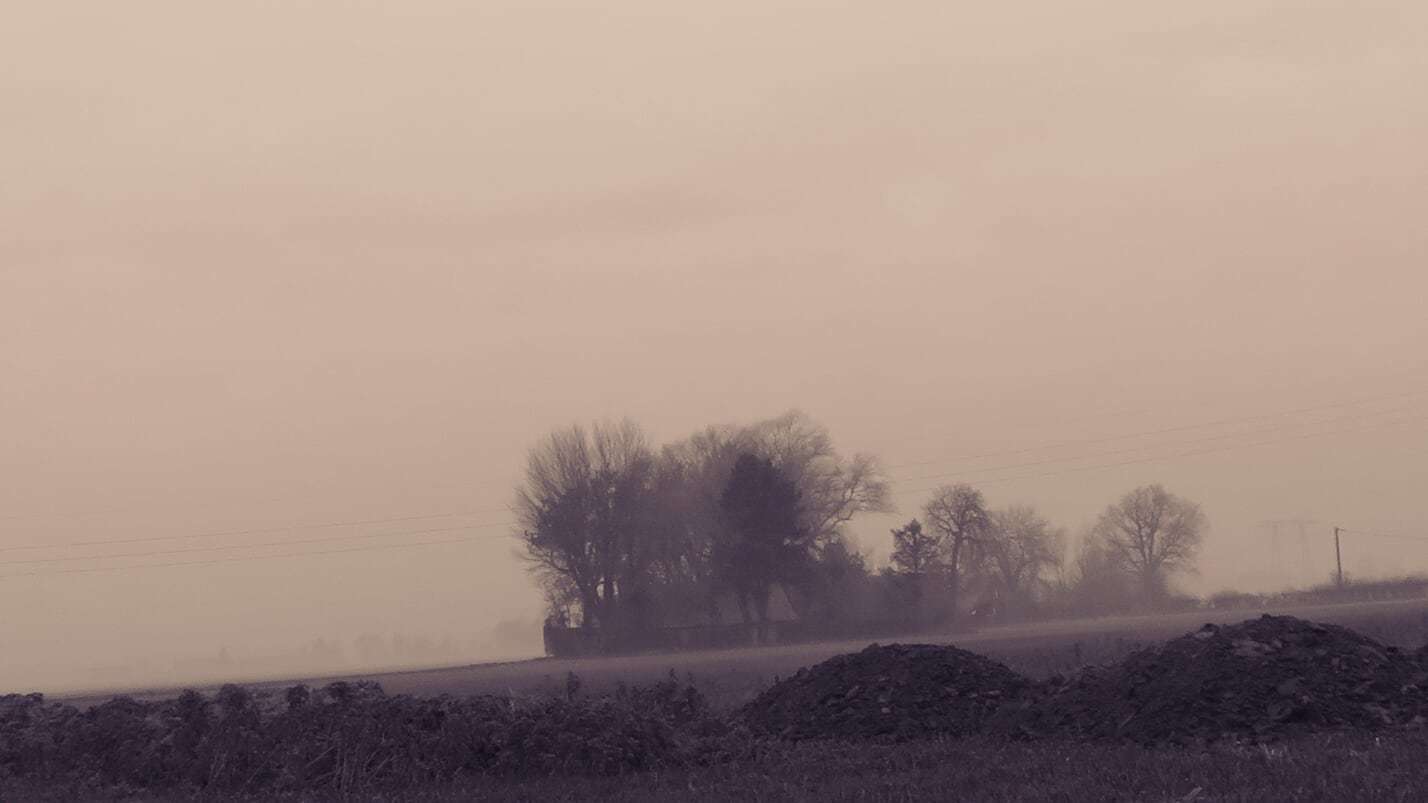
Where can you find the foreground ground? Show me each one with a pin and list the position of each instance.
(1326, 768)
(1320, 768)
(1272, 708)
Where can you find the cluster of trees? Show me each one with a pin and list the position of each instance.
(1013, 563)
(622, 535)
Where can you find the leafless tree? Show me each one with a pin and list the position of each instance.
(958, 515)
(562, 598)
(1019, 547)
(1152, 534)
(833, 489)
(585, 515)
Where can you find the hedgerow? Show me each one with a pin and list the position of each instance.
(348, 737)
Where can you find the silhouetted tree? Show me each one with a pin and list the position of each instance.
(691, 477)
(916, 560)
(620, 536)
(915, 550)
(838, 584)
(832, 489)
(1019, 546)
(585, 514)
(765, 541)
(957, 514)
(1152, 534)
(1094, 582)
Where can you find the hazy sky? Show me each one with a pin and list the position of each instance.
(267, 264)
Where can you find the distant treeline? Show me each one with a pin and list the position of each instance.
(623, 536)
(1379, 590)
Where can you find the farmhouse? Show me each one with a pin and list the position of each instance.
(722, 626)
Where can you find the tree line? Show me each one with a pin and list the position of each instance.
(622, 535)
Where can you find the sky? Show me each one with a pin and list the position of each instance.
(283, 268)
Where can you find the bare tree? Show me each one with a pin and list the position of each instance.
(1096, 583)
(1152, 534)
(562, 598)
(832, 489)
(958, 515)
(584, 515)
(695, 473)
(1019, 547)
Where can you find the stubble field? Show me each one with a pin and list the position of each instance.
(1311, 763)
(729, 678)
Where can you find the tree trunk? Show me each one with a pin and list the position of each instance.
(743, 599)
(954, 585)
(590, 613)
(761, 606)
(608, 614)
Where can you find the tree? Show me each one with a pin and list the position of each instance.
(1152, 534)
(1019, 546)
(585, 516)
(916, 560)
(833, 489)
(621, 537)
(839, 583)
(915, 550)
(1096, 583)
(766, 541)
(562, 599)
(957, 514)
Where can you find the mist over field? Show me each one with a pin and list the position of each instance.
(293, 321)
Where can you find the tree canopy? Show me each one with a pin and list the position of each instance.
(1153, 534)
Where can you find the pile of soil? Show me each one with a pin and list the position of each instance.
(1265, 677)
(899, 691)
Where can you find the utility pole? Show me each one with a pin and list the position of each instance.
(1338, 557)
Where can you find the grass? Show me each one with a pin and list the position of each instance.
(1334, 767)
(1331, 767)
(1337, 768)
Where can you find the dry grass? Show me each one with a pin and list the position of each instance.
(1321, 768)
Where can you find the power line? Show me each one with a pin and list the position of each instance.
(257, 531)
(139, 507)
(244, 558)
(1155, 458)
(312, 553)
(1163, 431)
(328, 539)
(1128, 450)
(999, 453)
(1393, 536)
(1152, 458)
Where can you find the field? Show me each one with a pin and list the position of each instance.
(729, 678)
(1313, 764)
(1329, 768)
(1316, 769)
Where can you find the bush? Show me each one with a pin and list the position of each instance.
(346, 737)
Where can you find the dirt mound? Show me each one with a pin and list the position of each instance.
(1264, 677)
(899, 691)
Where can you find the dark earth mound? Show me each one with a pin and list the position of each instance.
(1265, 677)
(900, 691)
